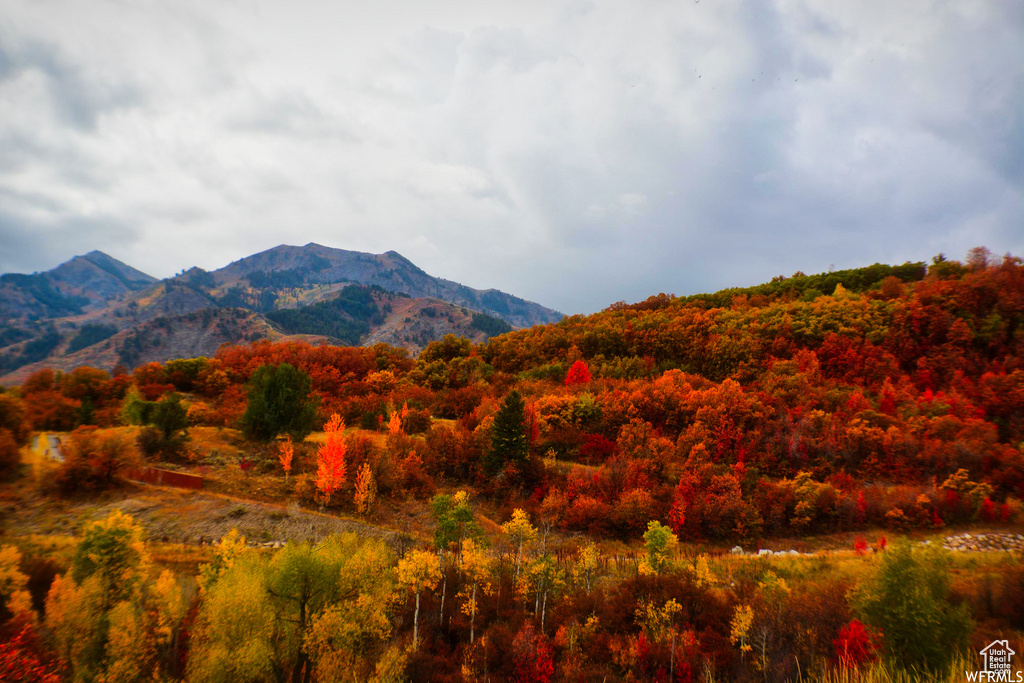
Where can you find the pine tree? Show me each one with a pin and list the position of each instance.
(509, 440)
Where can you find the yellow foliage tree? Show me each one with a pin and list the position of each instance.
(739, 627)
(584, 571)
(233, 636)
(230, 549)
(476, 567)
(520, 533)
(130, 651)
(13, 583)
(545, 577)
(418, 571)
(366, 489)
(170, 611)
(344, 638)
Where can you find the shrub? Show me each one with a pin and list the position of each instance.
(152, 444)
(908, 601)
(856, 644)
(93, 461)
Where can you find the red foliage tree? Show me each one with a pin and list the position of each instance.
(856, 644)
(20, 659)
(578, 374)
(531, 653)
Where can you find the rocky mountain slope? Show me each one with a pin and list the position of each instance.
(95, 310)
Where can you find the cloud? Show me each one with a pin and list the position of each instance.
(573, 153)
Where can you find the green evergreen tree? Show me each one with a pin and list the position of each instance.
(509, 440)
(169, 415)
(279, 403)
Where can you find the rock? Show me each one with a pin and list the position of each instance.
(737, 550)
(793, 552)
(764, 551)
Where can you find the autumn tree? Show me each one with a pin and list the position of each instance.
(93, 461)
(545, 577)
(95, 613)
(453, 519)
(330, 472)
(14, 597)
(14, 433)
(233, 637)
(856, 644)
(532, 656)
(520, 533)
(418, 572)
(578, 374)
(285, 453)
(659, 542)
(476, 567)
(302, 581)
(279, 402)
(349, 638)
(172, 603)
(366, 489)
(585, 569)
(509, 440)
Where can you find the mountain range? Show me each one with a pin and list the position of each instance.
(95, 310)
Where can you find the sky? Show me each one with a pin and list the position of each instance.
(573, 153)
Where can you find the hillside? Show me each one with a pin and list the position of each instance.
(703, 468)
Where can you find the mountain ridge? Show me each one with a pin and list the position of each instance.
(53, 317)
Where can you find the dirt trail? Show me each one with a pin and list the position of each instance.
(190, 517)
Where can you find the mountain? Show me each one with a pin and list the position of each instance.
(313, 264)
(85, 282)
(95, 310)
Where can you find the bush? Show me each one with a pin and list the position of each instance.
(10, 455)
(93, 461)
(908, 601)
(152, 444)
(416, 421)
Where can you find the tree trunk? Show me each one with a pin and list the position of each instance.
(416, 623)
(472, 618)
(444, 585)
(544, 612)
(672, 659)
(297, 670)
(519, 555)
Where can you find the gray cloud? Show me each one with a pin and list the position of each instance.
(572, 153)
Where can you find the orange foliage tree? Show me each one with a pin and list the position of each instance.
(330, 471)
(286, 451)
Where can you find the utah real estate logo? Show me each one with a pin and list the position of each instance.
(996, 665)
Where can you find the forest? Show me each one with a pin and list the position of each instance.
(577, 501)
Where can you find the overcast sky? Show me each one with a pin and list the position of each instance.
(573, 153)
